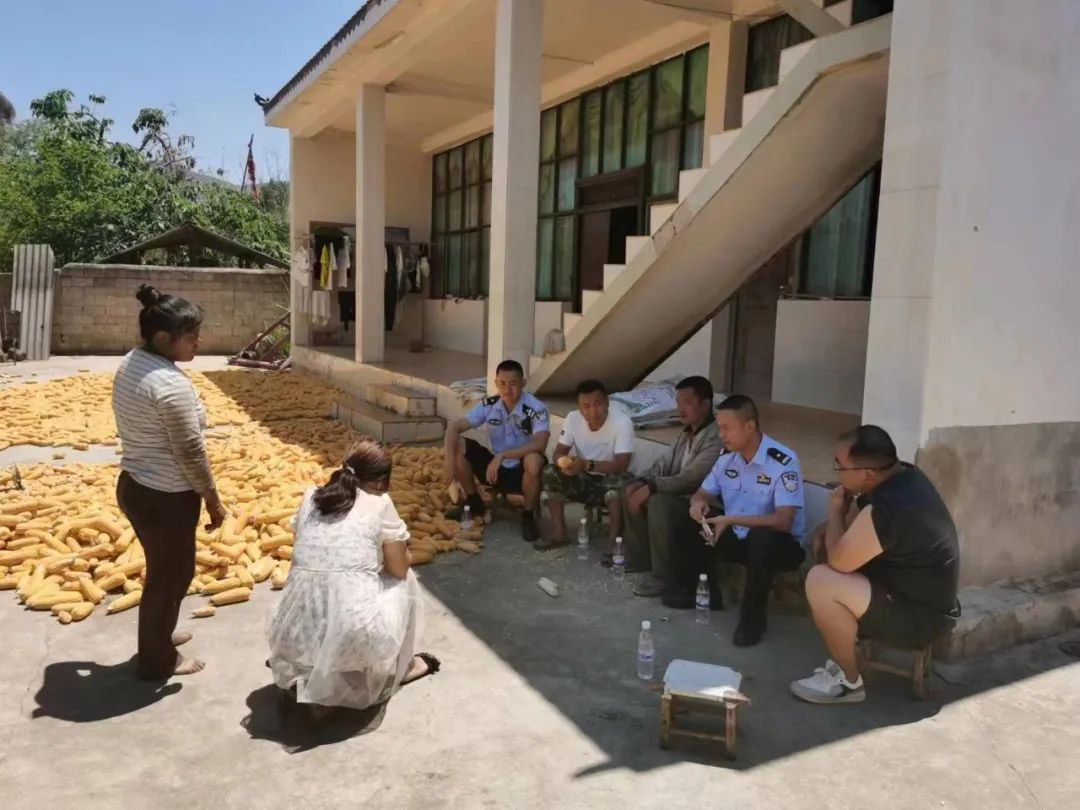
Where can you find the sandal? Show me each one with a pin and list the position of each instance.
(433, 666)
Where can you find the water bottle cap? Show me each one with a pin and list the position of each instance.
(703, 578)
(583, 521)
(468, 508)
(618, 540)
(646, 625)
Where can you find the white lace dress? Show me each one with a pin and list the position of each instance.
(342, 633)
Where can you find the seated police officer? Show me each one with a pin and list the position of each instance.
(760, 484)
(518, 427)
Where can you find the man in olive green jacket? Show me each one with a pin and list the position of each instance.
(657, 505)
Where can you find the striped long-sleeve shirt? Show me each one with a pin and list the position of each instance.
(160, 421)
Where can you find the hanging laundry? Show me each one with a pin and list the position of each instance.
(324, 266)
(347, 307)
(344, 262)
(320, 307)
(425, 268)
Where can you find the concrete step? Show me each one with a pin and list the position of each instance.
(688, 179)
(753, 102)
(401, 400)
(659, 214)
(636, 244)
(718, 144)
(569, 321)
(790, 57)
(588, 298)
(843, 12)
(387, 426)
(611, 272)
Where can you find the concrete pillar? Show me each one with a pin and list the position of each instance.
(518, 45)
(370, 223)
(726, 81)
(972, 361)
(299, 217)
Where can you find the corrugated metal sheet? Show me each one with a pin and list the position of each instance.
(32, 295)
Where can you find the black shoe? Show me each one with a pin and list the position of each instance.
(678, 600)
(747, 634)
(530, 532)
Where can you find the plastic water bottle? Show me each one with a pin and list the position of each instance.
(701, 601)
(583, 540)
(645, 652)
(466, 519)
(618, 560)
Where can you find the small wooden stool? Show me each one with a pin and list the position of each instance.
(919, 671)
(689, 685)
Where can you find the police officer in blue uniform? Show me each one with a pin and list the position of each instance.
(518, 427)
(759, 484)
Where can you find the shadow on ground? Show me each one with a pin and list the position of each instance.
(86, 692)
(578, 651)
(272, 718)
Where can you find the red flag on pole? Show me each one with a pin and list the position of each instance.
(249, 171)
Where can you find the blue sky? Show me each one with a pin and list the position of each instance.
(202, 60)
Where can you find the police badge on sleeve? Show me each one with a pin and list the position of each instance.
(790, 480)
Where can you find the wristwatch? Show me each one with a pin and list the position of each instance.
(590, 466)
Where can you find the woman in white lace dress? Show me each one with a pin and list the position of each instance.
(343, 633)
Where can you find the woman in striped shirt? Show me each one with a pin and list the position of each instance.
(165, 471)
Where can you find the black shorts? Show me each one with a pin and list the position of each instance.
(480, 458)
(894, 620)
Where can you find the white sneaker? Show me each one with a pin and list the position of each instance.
(828, 685)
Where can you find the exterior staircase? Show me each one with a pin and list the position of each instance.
(392, 414)
(803, 144)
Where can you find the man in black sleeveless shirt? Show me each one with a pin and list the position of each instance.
(888, 572)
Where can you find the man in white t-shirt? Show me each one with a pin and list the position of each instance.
(592, 462)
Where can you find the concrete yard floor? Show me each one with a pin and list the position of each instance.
(538, 705)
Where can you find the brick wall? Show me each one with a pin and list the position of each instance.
(95, 311)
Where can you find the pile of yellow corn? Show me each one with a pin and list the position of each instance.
(65, 546)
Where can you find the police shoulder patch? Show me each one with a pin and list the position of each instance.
(491, 400)
(790, 480)
(779, 455)
(730, 473)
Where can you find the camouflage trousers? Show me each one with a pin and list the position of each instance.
(591, 490)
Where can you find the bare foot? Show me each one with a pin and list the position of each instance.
(417, 669)
(180, 637)
(187, 666)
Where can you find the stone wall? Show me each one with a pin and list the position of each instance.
(95, 311)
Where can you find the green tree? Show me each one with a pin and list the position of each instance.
(63, 182)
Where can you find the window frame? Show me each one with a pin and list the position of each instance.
(471, 285)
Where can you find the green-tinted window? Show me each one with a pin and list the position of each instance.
(455, 168)
(565, 256)
(567, 184)
(453, 219)
(693, 145)
(471, 263)
(485, 205)
(697, 66)
(764, 43)
(545, 281)
(547, 188)
(614, 112)
(547, 134)
(637, 120)
(590, 136)
(488, 150)
(569, 119)
(485, 261)
(668, 94)
(440, 173)
(472, 162)
(472, 206)
(838, 251)
(453, 265)
(665, 162)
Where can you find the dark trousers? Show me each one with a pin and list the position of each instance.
(165, 524)
(764, 552)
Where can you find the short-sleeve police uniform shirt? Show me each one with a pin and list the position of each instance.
(773, 478)
(509, 431)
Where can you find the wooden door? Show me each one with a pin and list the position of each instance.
(593, 253)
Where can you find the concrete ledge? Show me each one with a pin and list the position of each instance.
(1014, 612)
